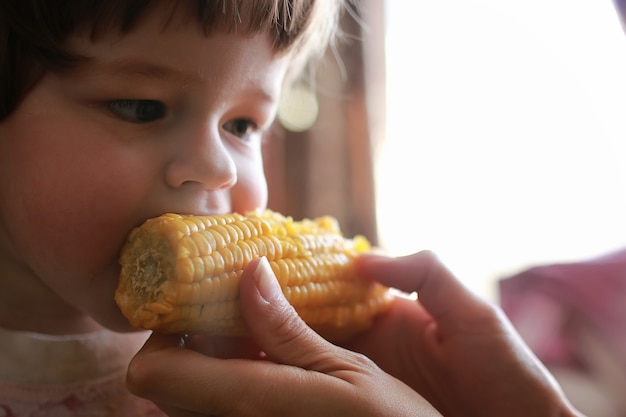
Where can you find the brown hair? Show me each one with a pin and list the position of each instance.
(33, 32)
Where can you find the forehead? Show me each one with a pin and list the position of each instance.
(166, 36)
(182, 55)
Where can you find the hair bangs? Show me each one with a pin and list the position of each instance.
(33, 33)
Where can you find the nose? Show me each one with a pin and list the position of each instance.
(200, 157)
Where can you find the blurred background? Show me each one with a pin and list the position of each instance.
(494, 133)
(509, 120)
(490, 131)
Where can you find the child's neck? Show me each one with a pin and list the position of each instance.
(29, 305)
(22, 309)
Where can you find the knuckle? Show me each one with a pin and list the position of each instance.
(140, 375)
(287, 324)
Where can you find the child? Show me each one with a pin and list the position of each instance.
(112, 112)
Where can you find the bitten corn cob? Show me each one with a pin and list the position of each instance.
(180, 274)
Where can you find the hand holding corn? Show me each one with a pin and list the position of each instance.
(301, 373)
(180, 274)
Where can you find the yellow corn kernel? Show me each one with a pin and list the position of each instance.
(180, 274)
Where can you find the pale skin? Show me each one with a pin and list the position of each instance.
(166, 119)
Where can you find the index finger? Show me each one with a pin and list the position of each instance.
(184, 380)
(439, 291)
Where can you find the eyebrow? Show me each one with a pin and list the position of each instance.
(148, 70)
(156, 72)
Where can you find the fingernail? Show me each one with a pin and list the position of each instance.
(266, 281)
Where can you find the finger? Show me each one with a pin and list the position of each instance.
(274, 324)
(157, 372)
(223, 347)
(180, 379)
(158, 341)
(183, 382)
(439, 291)
(219, 347)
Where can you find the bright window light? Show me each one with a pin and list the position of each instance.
(506, 134)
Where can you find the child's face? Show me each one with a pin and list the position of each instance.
(158, 121)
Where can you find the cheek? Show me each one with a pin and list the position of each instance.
(71, 204)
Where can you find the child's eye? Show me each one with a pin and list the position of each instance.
(137, 111)
(240, 127)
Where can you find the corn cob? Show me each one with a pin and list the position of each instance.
(180, 274)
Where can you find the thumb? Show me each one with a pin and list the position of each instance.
(274, 324)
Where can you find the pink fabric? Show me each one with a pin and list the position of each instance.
(81, 375)
(553, 305)
(106, 397)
